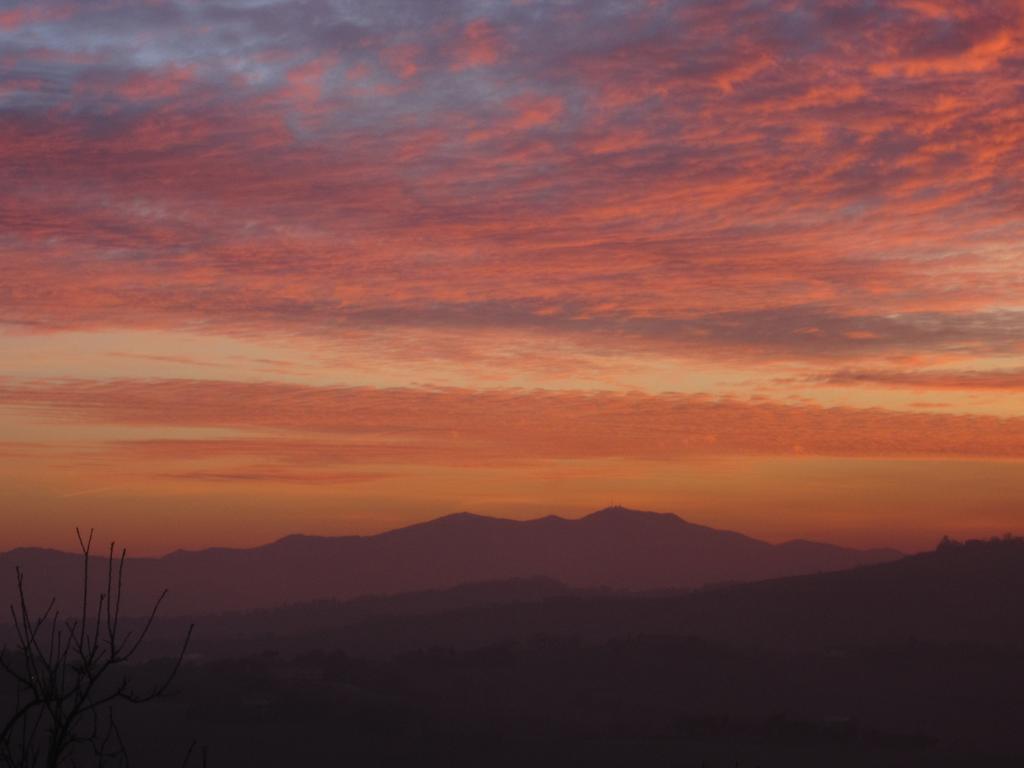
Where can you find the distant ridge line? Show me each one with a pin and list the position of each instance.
(614, 547)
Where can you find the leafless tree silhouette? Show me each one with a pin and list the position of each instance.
(71, 674)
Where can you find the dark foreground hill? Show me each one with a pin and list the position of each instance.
(615, 547)
(917, 662)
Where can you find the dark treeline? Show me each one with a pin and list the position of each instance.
(631, 701)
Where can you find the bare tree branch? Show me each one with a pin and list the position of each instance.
(63, 670)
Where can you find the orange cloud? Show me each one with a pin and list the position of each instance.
(448, 425)
(999, 379)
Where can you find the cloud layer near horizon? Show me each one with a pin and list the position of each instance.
(366, 425)
(623, 204)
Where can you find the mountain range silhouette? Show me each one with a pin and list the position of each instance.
(615, 547)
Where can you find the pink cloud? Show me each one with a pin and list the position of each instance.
(479, 46)
(738, 180)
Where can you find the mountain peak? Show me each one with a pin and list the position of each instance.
(618, 513)
(617, 510)
(462, 517)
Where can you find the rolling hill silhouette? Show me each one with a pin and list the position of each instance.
(916, 662)
(616, 547)
(968, 595)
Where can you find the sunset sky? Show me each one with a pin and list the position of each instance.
(337, 266)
